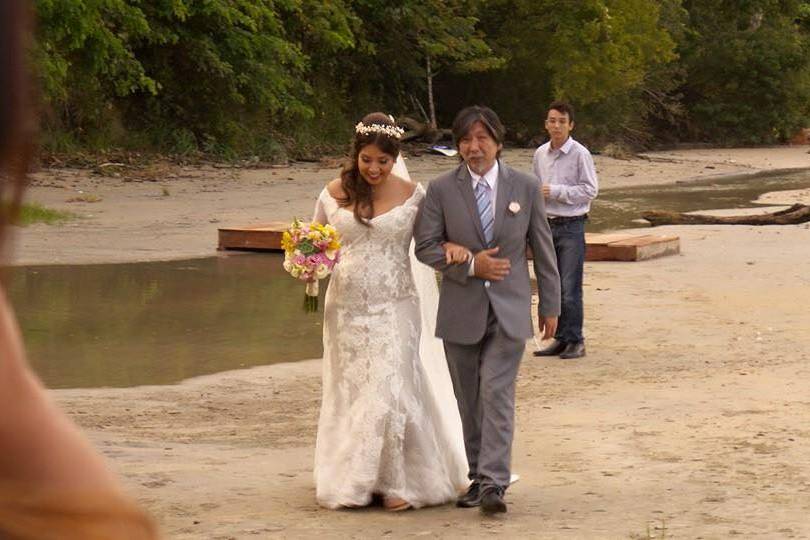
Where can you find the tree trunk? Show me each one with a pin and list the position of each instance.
(416, 130)
(798, 213)
(431, 105)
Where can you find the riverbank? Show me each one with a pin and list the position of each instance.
(685, 420)
(686, 414)
(173, 212)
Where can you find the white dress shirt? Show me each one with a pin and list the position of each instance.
(491, 178)
(570, 172)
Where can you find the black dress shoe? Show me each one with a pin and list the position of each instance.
(573, 350)
(552, 350)
(472, 498)
(492, 500)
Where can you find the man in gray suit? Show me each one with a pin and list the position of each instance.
(484, 312)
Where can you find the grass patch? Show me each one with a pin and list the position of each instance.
(653, 532)
(36, 213)
(86, 198)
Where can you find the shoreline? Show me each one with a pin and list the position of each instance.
(176, 216)
(684, 413)
(682, 421)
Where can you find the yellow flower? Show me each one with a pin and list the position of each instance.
(286, 242)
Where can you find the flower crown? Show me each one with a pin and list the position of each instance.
(390, 131)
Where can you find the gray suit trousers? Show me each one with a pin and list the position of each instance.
(483, 377)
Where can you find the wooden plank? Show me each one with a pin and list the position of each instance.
(634, 248)
(625, 247)
(597, 246)
(258, 237)
(646, 247)
(605, 239)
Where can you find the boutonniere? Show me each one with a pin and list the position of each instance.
(514, 207)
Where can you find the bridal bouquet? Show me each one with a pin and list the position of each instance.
(311, 251)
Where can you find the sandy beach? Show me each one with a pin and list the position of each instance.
(170, 212)
(687, 419)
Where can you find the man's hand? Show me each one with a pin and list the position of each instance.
(489, 267)
(548, 326)
(455, 254)
(547, 191)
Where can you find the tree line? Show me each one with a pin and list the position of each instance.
(288, 78)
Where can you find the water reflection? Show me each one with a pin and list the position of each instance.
(158, 323)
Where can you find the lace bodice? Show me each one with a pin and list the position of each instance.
(378, 253)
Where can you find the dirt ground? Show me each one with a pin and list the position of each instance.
(687, 419)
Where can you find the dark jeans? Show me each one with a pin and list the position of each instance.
(569, 244)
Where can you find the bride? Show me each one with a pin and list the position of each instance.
(389, 423)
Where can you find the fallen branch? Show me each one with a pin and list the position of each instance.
(798, 213)
(416, 130)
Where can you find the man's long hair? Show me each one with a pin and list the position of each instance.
(468, 116)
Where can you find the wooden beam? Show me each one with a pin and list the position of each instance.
(258, 237)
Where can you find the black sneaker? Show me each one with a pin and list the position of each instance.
(492, 500)
(573, 350)
(472, 498)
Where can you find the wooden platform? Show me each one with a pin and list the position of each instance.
(629, 247)
(599, 247)
(265, 237)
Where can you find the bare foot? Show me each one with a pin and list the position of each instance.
(395, 504)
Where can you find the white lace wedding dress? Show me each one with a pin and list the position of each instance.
(389, 422)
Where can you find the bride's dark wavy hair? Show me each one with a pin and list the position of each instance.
(358, 192)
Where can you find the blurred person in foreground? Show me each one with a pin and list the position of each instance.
(53, 484)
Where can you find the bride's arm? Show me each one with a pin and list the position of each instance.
(429, 235)
(319, 214)
(456, 253)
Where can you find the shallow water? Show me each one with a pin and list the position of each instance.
(158, 323)
(616, 209)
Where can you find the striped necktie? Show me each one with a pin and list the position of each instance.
(484, 201)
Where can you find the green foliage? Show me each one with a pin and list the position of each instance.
(36, 213)
(608, 57)
(748, 68)
(288, 78)
(84, 57)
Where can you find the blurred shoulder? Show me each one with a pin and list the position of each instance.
(335, 189)
(579, 148)
(406, 187)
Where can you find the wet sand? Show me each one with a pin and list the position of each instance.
(687, 419)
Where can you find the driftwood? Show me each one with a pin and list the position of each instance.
(798, 213)
(416, 130)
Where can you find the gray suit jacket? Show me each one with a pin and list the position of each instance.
(449, 213)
